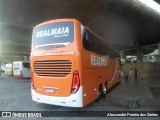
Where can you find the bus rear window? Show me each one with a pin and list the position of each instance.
(26, 65)
(16, 65)
(54, 35)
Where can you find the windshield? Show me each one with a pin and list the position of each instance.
(54, 35)
(16, 66)
(26, 65)
(9, 66)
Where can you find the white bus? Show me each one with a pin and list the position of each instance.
(21, 69)
(9, 70)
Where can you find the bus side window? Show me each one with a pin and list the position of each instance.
(87, 41)
(94, 44)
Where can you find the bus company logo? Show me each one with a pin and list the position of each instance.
(98, 61)
(56, 32)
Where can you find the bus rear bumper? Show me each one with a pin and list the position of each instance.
(74, 100)
(18, 76)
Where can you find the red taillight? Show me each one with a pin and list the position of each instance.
(75, 82)
(32, 81)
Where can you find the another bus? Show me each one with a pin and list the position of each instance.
(9, 69)
(71, 65)
(21, 69)
(3, 67)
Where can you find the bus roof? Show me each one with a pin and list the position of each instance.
(55, 20)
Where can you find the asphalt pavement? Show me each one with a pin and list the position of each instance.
(15, 95)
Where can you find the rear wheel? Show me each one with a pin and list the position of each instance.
(100, 93)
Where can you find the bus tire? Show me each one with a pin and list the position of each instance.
(100, 93)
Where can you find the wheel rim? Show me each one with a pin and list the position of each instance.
(99, 92)
(105, 89)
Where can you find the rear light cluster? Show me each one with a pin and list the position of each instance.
(75, 82)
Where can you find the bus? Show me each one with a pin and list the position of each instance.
(8, 69)
(71, 65)
(21, 69)
(3, 66)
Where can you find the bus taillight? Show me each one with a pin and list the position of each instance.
(75, 82)
(32, 81)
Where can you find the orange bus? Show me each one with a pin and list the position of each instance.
(71, 65)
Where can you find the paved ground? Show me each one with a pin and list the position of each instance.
(136, 93)
(15, 95)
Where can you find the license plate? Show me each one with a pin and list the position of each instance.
(50, 90)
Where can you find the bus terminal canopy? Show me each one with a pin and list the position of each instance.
(125, 23)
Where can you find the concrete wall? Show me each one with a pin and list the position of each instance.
(146, 69)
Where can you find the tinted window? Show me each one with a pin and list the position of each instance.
(17, 65)
(26, 65)
(94, 44)
(8, 66)
(53, 35)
